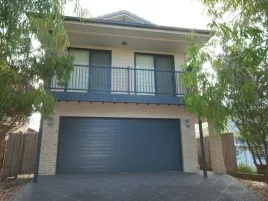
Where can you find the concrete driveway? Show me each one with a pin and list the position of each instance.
(160, 186)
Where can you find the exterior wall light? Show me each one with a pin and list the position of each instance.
(124, 43)
(187, 123)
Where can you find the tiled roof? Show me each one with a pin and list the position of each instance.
(123, 12)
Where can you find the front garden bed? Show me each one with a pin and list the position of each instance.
(11, 186)
(248, 176)
(260, 188)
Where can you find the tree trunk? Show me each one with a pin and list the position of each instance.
(252, 153)
(266, 174)
(2, 153)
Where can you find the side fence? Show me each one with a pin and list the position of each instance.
(229, 152)
(207, 153)
(20, 154)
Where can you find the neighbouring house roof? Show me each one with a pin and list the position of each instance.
(123, 16)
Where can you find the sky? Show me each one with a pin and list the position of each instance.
(177, 13)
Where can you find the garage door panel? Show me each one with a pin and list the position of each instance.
(115, 144)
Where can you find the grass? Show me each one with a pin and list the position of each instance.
(242, 167)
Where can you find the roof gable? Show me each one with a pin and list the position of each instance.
(123, 16)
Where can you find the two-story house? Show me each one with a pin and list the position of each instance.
(122, 109)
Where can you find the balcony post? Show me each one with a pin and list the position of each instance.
(174, 83)
(135, 77)
(65, 86)
(49, 82)
(128, 79)
(88, 84)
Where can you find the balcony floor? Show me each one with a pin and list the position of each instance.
(117, 98)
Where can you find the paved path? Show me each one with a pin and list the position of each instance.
(160, 186)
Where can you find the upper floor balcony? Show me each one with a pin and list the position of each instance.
(121, 84)
(125, 61)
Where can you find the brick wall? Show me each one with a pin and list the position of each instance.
(48, 156)
(189, 147)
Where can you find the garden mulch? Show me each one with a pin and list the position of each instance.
(6, 193)
(260, 188)
(11, 186)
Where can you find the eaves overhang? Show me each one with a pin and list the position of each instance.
(137, 25)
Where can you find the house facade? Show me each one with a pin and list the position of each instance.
(122, 109)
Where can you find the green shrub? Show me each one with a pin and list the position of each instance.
(245, 168)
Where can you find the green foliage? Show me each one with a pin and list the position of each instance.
(202, 98)
(33, 47)
(228, 77)
(243, 167)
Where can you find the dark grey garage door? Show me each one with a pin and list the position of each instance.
(116, 144)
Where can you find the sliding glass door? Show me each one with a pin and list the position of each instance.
(92, 71)
(100, 71)
(154, 74)
(80, 76)
(164, 75)
(145, 78)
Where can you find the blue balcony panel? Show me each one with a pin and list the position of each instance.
(117, 98)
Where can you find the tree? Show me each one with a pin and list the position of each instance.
(33, 47)
(228, 77)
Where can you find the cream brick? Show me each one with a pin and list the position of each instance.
(48, 155)
(189, 147)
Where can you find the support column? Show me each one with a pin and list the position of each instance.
(216, 151)
(49, 146)
(189, 147)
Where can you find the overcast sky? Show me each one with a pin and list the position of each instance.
(178, 13)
